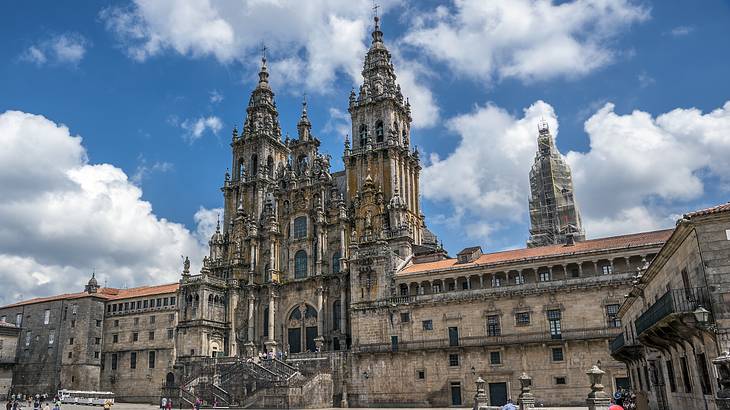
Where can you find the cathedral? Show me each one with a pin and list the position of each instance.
(334, 276)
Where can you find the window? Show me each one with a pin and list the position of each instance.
(3, 318)
(170, 333)
(152, 335)
(116, 323)
(139, 304)
(394, 343)
(496, 282)
(554, 322)
(126, 305)
(171, 317)
(98, 322)
(96, 355)
(152, 319)
(159, 302)
(465, 285)
(453, 359)
(28, 337)
(71, 341)
(452, 286)
(73, 322)
(493, 328)
(427, 324)
(557, 354)
(704, 374)
(47, 317)
(403, 290)
(336, 263)
(379, 135)
(670, 376)
(74, 309)
(405, 317)
(607, 269)
(436, 288)
(172, 300)
(522, 318)
(685, 375)
(133, 360)
(114, 361)
(18, 319)
(336, 315)
(421, 375)
(51, 338)
(495, 358)
(575, 273)
(560, 380)
(135, 336)
(519, 279)
(136, 321)
(165, 301)
(97, 340)
(300, 264)
(144, 304)
(453, 336)
(544, 276)
(115, 338)
(363, 135)
(70, 355)
(612, 315)
(300, 227)
(151, 359)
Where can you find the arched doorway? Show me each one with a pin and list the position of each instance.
(302, 329)
(170, 380)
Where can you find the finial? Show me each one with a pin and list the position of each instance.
(263, 73)
(218, 225)
(377, 34)
(263, 52)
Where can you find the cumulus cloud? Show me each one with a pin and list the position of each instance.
(195, 128)
(62, 216)
(525, 39)
(215, 97)
(639, 172)
(68, 48)
(144, 169)
(681, 31)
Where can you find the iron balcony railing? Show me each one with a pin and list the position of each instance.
(675, 301)
(480, 341)
(617, 343)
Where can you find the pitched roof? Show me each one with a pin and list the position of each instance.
(708, 211)
(614, 242)
(105, 293)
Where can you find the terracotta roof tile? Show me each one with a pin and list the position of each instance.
(614, 242)
(707, 211)
(105, 293)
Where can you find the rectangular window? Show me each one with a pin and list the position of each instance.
(126, 305)
(133, 360)
(135, 336)
(464, 285)
(560, 380)
(152, 319)
(394, 343)
(606, 269)
(114, 361)
(136, 321)
(115, 338)
(165, 301)
(575, 273)
(427, 324)
(97, 340)
(172, 300)
(436, 288)
(522, 318)
(453, 360)
(421, 374)
(151, 359)
(405, 317)
(152, 335)
(19, 319)
(519, 279)
(453, 336)
(685, 375)
(47, 317)
(74, 309)
(544, 276)
(70, 355)
(557, 354)
(170, 333)
(612, 315)
(73, 322)
(159, 302)
(171, 317)
(495, 358)
(300, 227)
(51, 338)
(670, 376)
(496, 282)
(116, 323)
(98, 322)
(71, 341)
(493, 328)
(704, 374)
(144, 304)
(96, 355)
(139, 304)
(553, 316)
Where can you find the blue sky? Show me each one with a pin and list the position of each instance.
(636, 91)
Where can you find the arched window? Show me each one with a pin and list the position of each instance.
(300, 264)
(336, 315)
(336, 262)
(379, 131)
(270, 166)
(241, 168)
(405, 137)
(266, 322)
(210, 298)
(300, 227)
(254, 165)
(363, 135)
(395, 129)
(311, 312)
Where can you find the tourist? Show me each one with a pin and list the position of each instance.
(37, 402)
(614, 406)
(163, 403)
(169, 404)
(107, 404)
(46, 406)
(9, 404)
(198, 403)
(509, 405)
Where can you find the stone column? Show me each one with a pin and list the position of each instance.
(597, 398)
(595, 268)
(232, 306)
(319, 341)
(481, 401)
(343, 248)
(526, 399)
(343, 315)
(271, 342)
(481, 281)
(580, 269)
(272, 258)
(250, 345)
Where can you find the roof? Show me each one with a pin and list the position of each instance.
(613, 242)
(709, 211)
(105, 293)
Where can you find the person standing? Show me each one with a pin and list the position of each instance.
(509, 405)
(169, 404)
(163, 403)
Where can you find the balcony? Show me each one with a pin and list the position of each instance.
(7, 359)
(488, 341)
(624, 352)
(670, 318)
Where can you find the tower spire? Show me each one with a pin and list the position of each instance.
(263, 72)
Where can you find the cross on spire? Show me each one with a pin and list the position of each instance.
(263, 51)
(376, 6)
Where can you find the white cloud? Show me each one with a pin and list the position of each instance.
(62, 216)
(639, 172)
(205, 222)
(195, 128)
(215, 97)
(680, 31)
(67, 48)
(526, 39)
(144, 169)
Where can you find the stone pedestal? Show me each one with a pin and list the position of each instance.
(271, 347)
(526, 400)
(481, 401)
(597, 398)
(598, 403)
(250, 349)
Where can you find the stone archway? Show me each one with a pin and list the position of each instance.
(302, 329)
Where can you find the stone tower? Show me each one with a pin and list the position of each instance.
(382, 171)
(554, 215)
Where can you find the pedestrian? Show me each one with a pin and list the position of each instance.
(198, 403)
(614, 406)
(37, 402)
(9, 405)
(107, 404)
(163, 403)
(46, 406)
(169, 404)
(509, 405)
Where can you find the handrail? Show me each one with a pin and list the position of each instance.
(684, 300)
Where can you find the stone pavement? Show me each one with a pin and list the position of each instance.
(134, 406)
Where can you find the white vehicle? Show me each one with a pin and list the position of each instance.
(91, 398)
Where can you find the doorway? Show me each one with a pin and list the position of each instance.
(497, 394)
(456, 393)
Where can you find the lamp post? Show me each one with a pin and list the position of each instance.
(480, 398)
(597, 398)
(526, 399)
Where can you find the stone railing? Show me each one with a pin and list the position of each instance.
(486, 341)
